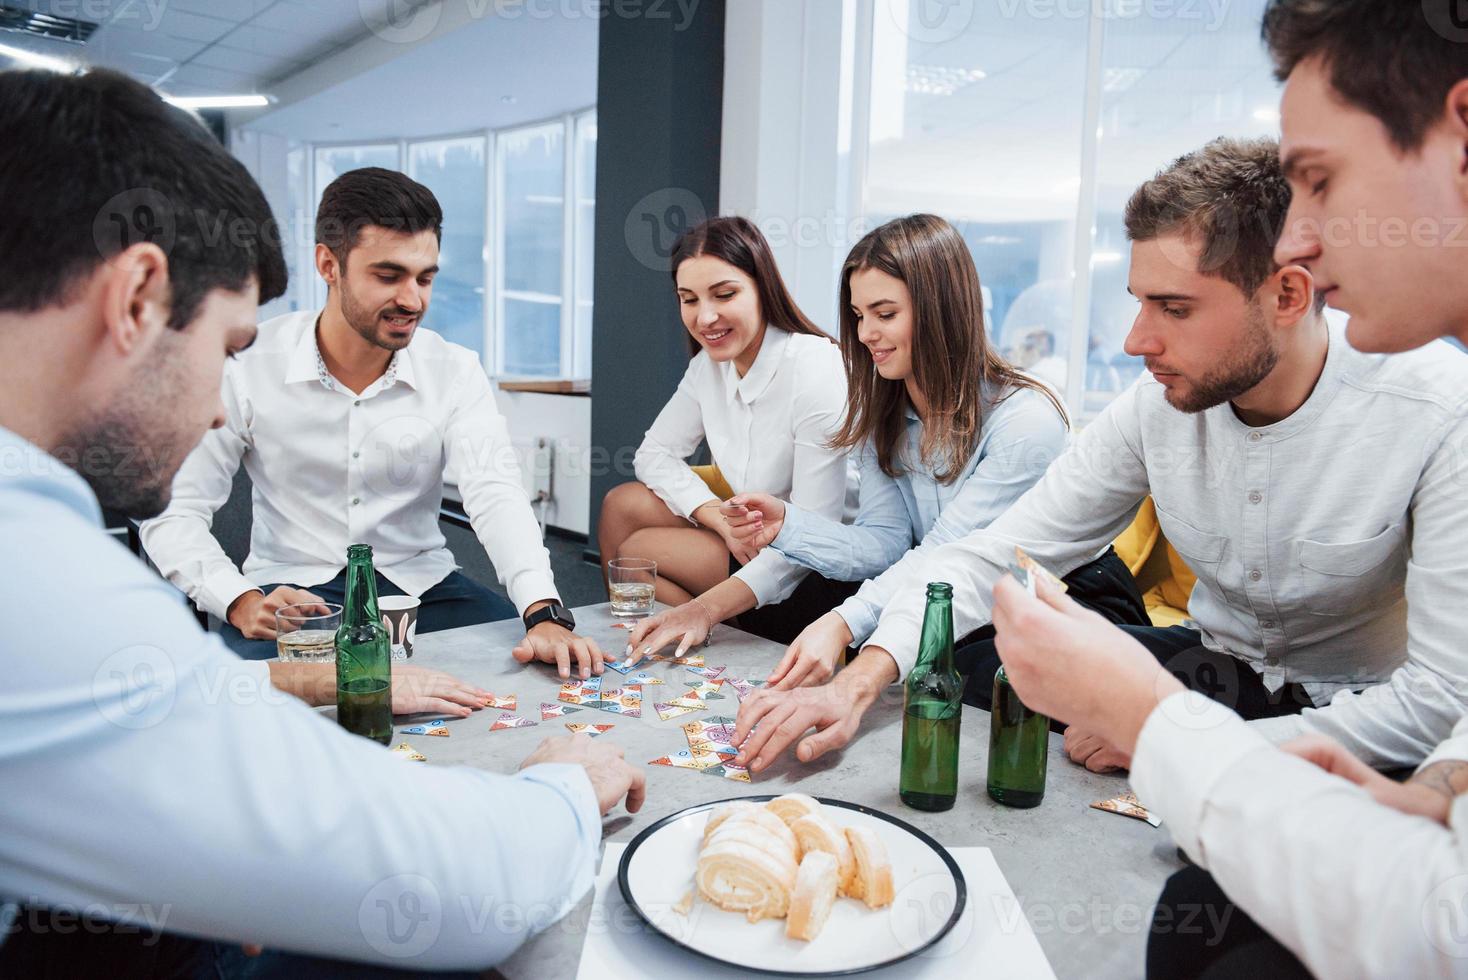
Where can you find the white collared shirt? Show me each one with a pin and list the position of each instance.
(331, 468)
(1329, 547)
(1351, 886)
(767, 431)
(151, 774)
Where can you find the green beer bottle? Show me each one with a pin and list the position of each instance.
(1019, 740)
(932, 709)
(363, 661)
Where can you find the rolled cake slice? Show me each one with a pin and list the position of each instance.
(746, 869)
(873, 868)
(761, 817)
(815, 833)
(812, 897)
(724, 813)
(792, 806)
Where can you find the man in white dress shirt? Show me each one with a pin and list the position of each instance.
(1342, 872)
(151, 778)
(1306, 484)
(349, 420)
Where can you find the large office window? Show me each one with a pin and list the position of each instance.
(456, 171)
(1028, 126)
(584, 236)
(532, 207)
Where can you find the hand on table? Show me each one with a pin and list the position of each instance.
(418, 689)
(611, 776)
(687, 625)
(811, 659)
(253, 613)
(1410, 797)
(711, 516)
(1090, 751)
(754, 518)
(552, 643)
(1070, 664)
(835, 710)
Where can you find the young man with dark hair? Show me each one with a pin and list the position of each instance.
(1341, 871)
(146, 769)
(1299, 479)
(349, 420)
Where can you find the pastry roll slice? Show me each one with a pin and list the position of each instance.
(815, 833)
(812, 897)
(724, 813)
(873, 868)
(763, 818)
(792, 806)
(746, 869)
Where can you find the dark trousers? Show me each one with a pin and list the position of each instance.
(456, 601)
(1104, 586)
(47, 946)
(782, 622)
(1198, 934)
(1223, 678)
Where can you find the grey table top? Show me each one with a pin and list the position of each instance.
(1086, 879)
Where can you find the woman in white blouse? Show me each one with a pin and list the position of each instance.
(766, 389)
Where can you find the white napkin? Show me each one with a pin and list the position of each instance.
(993, 932)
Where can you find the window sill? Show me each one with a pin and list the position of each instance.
(548, 386)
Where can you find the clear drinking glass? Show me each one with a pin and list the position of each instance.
(632, 582)
(306, 633)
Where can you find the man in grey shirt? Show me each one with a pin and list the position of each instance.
(1309, 486)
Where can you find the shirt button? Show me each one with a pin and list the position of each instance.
(1255, 497)
(1255, 575)
(1255, 437)
(357, 454)
(1268, 624)
(357, 402)
(356, 501)
(1271, 661)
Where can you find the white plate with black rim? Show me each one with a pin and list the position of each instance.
(656, 875)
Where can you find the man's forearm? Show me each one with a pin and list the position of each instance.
(864, 678)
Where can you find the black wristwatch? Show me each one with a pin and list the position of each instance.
(555, 612)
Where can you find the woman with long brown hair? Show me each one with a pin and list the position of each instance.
(947, 435)
(766, 391)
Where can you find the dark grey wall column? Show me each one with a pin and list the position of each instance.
(659, 99)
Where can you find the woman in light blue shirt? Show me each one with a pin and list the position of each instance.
(946, 434)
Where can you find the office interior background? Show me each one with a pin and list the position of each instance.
(569, 141)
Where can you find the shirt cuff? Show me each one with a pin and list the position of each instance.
(684, 500)
(792, 528)
(766, 578)
(532, 585)
(1185, 747)
(572, 782)
(222, 588)
(889, 636)
(1454, 749)
(861, 618)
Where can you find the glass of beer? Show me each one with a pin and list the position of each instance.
(306, 633)
(632, 583)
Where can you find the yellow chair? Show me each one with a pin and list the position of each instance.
(714, 480)
(1164, 579)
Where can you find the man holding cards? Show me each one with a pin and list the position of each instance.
(1309, 486)
(1350, 873)
(349, 420)
(148, 771)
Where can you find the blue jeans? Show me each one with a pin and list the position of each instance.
(456, 601)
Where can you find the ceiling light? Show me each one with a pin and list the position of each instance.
(217, 101)
(35, 60)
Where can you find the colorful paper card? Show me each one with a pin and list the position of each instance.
(506, 701)
(709, 672)
(405, 751)
(590, 731)
(438, 727)
(618, 700)
(549, 710)
(508, 720)
(712, 734)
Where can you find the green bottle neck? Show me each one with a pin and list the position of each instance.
(935, 651)
(360, 605)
